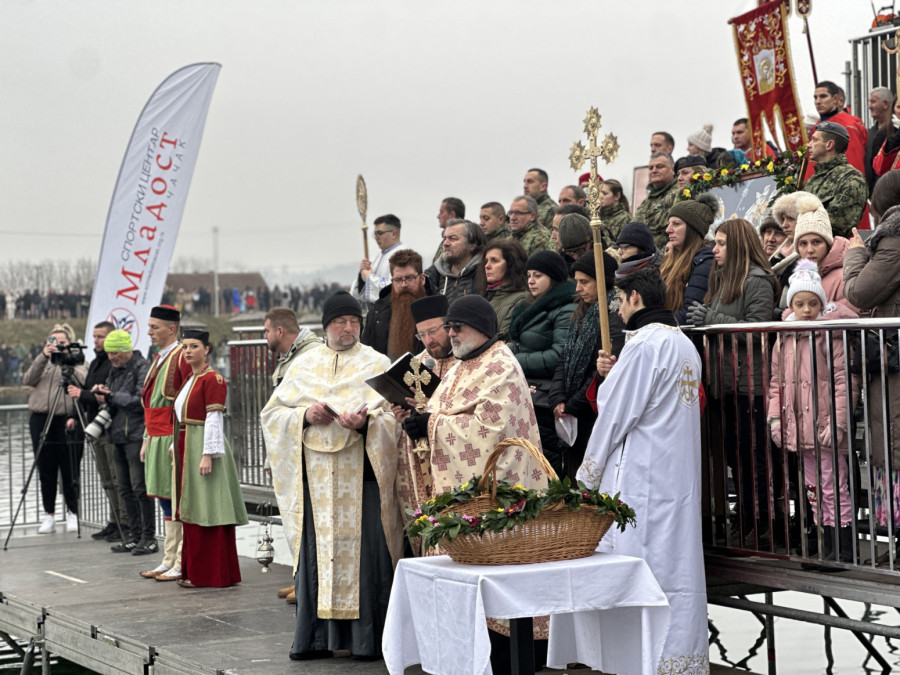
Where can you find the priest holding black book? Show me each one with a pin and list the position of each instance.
(332, 444)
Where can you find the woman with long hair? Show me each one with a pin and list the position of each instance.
(614, 211)
(537, 332)
(207, 493)
(686, 266)
(59, 458)
(742, 289)
(504, 269)
(576, 368)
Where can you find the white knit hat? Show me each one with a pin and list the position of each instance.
(703, 138)
(806, 278)
(812, 217)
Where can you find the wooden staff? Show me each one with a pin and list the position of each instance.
(602, 306)
(362, 201)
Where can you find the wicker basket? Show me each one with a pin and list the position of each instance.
(556, 533)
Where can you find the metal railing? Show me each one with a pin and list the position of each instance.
(871, 67)
(762, 498)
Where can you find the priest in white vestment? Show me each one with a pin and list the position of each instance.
(332, 446)
(646, 445)
(483, 400)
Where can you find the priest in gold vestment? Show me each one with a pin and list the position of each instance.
(332, 443)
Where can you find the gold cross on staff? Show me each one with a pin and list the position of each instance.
(608, 149)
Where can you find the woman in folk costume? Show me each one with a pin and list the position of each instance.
(206, 492)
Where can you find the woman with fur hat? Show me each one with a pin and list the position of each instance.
(814, 241)
(793, 425)
(872, 282)
(575, 371)
(687, 265)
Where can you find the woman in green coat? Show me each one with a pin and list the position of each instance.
(504, 269)
(536, 335)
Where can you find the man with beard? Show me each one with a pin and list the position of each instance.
(332, 444)
(460, 269)
(483, 400)
(286, 339)
(390, 329)
(414, 483)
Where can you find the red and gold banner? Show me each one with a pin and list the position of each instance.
(764, 59)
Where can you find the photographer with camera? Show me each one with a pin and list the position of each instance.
(122, 396)
(57, 456)
(98, 373)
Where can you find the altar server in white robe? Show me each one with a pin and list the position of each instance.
(646, 445)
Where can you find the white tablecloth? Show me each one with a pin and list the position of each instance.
(607, 611)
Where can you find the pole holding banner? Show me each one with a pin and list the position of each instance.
(608, 150)
(148, 202)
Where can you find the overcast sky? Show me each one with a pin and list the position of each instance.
(425, 99)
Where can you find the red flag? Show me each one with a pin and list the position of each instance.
(764, 59)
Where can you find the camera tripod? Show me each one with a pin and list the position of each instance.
(67, 379)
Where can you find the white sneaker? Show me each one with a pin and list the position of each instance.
(71, 522)
(48, 524)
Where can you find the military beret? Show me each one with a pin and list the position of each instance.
(833, 128)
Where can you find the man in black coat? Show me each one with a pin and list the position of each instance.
(390, 328)
(98, 372)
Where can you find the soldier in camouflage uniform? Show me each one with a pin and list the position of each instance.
(525, 229)
(493, 222)
(840, 186)
(614, 212)
(662, 191)
(535, 186)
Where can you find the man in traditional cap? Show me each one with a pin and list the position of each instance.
(645, 445)
(841, 187)
(332, 448)
(414, 482)
(167, 373)
(122, 393)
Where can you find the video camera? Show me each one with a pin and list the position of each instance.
(70, 355)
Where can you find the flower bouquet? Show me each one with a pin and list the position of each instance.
(487, 521)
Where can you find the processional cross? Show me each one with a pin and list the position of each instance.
(608, 149)
(418, 377)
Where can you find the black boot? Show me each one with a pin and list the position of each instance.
(828, 543)
(845, 535)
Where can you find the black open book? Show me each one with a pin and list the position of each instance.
(391, 386)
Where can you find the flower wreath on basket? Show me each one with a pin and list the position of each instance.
(488, 521)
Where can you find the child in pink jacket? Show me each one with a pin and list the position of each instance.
(790, 402)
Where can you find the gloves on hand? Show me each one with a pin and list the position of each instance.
(696, 314)
(416, 425)
(825, 436)
(775, 430)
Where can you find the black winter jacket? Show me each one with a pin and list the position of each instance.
(125, 384)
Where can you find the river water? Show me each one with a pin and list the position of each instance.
(737, 637)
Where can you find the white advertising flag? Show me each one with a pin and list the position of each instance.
(148, 201)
